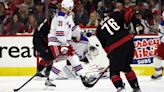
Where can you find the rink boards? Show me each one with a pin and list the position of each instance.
(17, 57)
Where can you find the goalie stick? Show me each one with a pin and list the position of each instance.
(91, 83)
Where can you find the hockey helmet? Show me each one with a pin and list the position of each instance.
(102, 12)
(67, 4)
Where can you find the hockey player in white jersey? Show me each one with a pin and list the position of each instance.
(59, 39)
(160, 52)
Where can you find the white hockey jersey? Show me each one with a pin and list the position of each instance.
(161, 31)
(61, 29)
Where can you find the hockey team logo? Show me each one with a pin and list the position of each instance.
(145, 49)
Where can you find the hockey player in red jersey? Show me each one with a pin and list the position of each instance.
(118, 44)
(41, 46)
(160, 52)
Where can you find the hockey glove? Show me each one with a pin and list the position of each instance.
(67, 50)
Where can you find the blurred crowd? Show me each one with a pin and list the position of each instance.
(23, 16)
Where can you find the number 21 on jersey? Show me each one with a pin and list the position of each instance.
(111, 22)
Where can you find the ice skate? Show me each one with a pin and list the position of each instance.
(136, 90)
(157, 76)
(49, 83)
(121, 89)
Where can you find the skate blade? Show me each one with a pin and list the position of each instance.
(49, 87)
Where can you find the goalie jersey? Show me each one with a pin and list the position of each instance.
(61, 29)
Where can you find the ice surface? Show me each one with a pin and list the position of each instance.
(75, 85)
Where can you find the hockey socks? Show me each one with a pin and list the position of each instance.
(158, 68)
(117, 81)
(42, 65)
(132, 79)
(48, 69)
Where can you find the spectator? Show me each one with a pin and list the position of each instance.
(58, 5)
(153, 5)
(128, 6)
(154, 22)
(11, 7)
(76, 3)
(81, 16)
(2, 17)
(32, 24)
(119, 6)
(146, 13)
(23, 13)
(39, 13)
(93, 19)
(3, 1)
(139, 25)
(89, 6)
(30, 5)
(14, 26)
(162, 6)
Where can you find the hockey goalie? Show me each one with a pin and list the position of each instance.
(90, 53)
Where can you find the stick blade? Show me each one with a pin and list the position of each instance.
(15, 90)
(88, 83)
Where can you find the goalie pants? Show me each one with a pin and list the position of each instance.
(120, 60)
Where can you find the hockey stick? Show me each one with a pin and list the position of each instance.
(35, 75)
(92, 83)
(26, 82)
(15, 90)
(39, 27)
